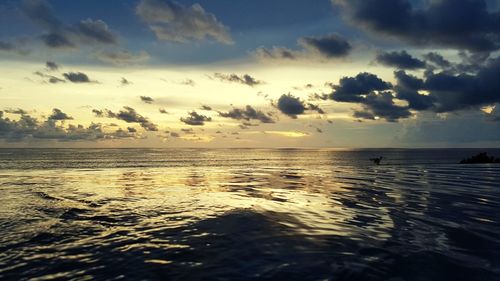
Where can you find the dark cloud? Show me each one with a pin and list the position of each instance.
(382, 105)
(373, 94)
(51, 66)
(460, 24)
(174, 134)
(407, 89)
(464, 91)
(49, 78)
(99, 113)
(57, 40)
(401, 60)
(445, 91)
(146, 99)
(131, 130)
(330, 46)
(125, 82)
(248, 113)
(437, 60)
(363, 114)
(77, 77)
(58, 34)
(27, 127)
(163, 111)
(96, 31)
(16, 111)
(316, 96)
(206, 107)
(315, 107)
(243, 79)
(129, 115)
(195, 119)
(275, 53)
(57, 114)
(352, 89)
(290, 105)
(171, 21)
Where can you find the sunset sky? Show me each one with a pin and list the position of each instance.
(250, 73)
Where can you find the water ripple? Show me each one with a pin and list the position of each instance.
(246, 214)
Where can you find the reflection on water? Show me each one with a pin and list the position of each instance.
(247, 214)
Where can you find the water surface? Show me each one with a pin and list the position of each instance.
(242, 214)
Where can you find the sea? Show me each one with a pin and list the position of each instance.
(248, 214)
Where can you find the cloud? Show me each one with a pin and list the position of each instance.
(123, 57)
(16, 111)
(373, 94)
(57, 114)
(407, 89)
(125, 82)
(463, 90)
(49, 78)
(51, 66)
(459, 24)
(77, 77)
(41, 13)
(275, 53)
(59, 35)
(163, 111)
(17, 47)
(96, 31)
(290, 105)
(243, 79)
(437, 60)
(146, 99)
(188, 82)
(382, 105)
(401, 60)
(171, 21)
(195, 119)
(315, 107)
(322, 47)
(206, 107)
(330, 46)
(129, 115)
(27, 127)
(248, 113)
(352, 89)
(57, 40)
(449, 90)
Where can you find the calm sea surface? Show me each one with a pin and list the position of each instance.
(242, 214)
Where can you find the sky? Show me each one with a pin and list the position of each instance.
(250, 73)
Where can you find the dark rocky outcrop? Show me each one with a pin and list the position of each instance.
(481, 158)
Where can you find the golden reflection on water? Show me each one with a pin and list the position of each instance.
(182, 195)
(193, 210)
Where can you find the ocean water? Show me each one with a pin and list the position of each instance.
(248, 214)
